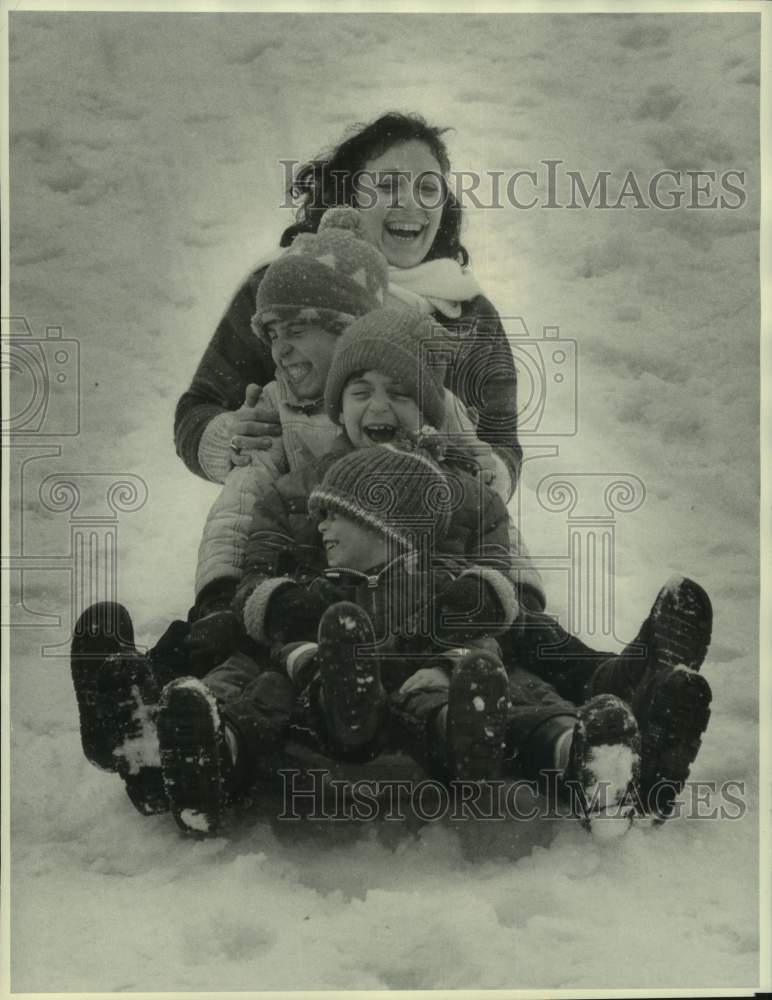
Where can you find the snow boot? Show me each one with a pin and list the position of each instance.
(671, 699)
(672, 706)
(603, 759)
(213, 750)
(676, 632)
(351, 693)
(195, 757)
(116, 694)
(103, 629)
(478, 700)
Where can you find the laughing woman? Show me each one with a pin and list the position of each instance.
(395, 171)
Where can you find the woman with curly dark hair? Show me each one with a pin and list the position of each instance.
(395, 170)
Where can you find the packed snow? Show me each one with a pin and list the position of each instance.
(145, 183)
(612, 766)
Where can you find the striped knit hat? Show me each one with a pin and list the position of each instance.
(388, 341)
(401, 494)
(333, 274)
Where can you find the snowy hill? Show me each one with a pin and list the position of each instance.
(145, 182)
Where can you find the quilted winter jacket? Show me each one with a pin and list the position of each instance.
(235, 357)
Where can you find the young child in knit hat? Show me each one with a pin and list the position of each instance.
(382, 514)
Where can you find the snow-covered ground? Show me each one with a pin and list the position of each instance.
(144, 184)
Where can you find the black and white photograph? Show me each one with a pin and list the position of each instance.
(382, 559)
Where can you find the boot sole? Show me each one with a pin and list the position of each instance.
(101, 631)
(681, 625)
(114, 699)
(677, 718)
(351, 685)
(192, 749)
(478, 700)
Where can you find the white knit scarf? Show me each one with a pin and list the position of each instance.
(440, 284)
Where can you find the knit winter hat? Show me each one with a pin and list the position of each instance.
(329, 274)
(388, 341)
(398, 493)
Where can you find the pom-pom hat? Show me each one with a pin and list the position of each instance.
(388, 341)
(403, 495)
(331, 274)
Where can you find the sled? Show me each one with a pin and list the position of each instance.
(312, 794)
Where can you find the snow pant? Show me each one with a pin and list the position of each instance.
(257, 705)
(537, 713)
(537, 643)
(171, 656)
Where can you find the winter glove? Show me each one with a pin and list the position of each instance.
(212, 640)
(293, 613)
(473, 606)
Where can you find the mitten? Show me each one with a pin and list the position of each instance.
(478, 602)
(212, 639)
(293, 613)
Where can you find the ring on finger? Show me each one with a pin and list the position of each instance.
(235, 446)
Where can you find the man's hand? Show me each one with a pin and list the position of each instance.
(253, 427)
(476, 456)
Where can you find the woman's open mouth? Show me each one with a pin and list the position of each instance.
(405, 231)
(380, 433)
(329, 543)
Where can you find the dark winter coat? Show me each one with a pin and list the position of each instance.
(235, 357)
(405, 605)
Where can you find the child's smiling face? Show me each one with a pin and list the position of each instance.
(348, 543)
(302, 351)
(376, 406)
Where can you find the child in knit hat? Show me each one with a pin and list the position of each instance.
(393, 608)
(382, 515)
